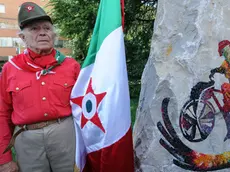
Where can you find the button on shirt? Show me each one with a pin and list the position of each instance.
(27, 100)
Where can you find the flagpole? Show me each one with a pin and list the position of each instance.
(123, 13)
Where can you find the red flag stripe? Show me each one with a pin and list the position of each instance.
(115, 158)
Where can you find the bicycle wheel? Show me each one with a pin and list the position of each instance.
(197, 127)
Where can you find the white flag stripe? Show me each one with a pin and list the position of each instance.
(82, 80)
(80, 157)
(110, 64)
(78, 90)
(109, 74)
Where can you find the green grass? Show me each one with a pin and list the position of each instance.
(133, 107)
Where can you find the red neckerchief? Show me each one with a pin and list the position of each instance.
(32, 62)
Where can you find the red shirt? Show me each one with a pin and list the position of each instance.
(24, 99)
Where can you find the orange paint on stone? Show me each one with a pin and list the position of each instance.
(212, 160)
(169, 50)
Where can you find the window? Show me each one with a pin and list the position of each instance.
(16, 42)
(10, 42)
(3, 59)
(8, 26)
(2, 8)
(6, 42)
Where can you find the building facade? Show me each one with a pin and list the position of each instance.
(10, 43)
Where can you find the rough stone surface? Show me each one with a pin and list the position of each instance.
(183, 51)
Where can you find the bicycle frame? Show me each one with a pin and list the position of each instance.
(208, 93)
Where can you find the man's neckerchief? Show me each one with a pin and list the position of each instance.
(41, 65)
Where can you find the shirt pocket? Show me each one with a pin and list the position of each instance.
(61, 90)
(21, 95)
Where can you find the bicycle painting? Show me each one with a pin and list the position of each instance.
(197, 120)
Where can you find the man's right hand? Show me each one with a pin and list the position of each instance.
(9, 167)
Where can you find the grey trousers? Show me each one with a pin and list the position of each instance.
(51, 149)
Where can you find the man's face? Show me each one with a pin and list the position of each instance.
(39, 36)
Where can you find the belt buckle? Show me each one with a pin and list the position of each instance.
(47, 123)
(24, 127)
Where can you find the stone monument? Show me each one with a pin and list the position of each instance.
(180, 124)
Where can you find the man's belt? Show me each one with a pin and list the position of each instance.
(35, 126)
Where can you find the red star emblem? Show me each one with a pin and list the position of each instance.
(89, 105)
(29, 8)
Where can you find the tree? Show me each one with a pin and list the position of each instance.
(76, 18)
(139, 17)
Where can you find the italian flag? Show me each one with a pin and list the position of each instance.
(100, 99)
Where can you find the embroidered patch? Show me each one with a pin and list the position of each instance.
(29, 8)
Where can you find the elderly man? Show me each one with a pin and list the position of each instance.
(35, 95)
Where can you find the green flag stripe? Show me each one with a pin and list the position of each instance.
(108, 19)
